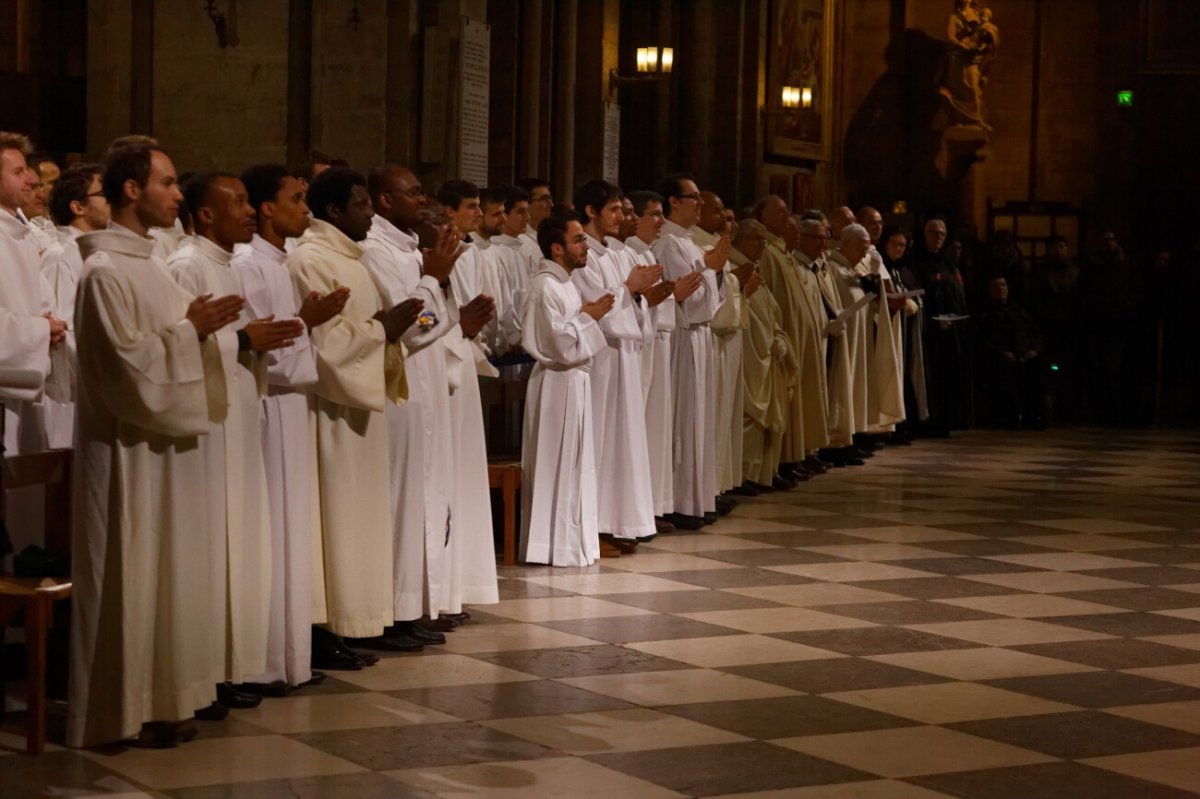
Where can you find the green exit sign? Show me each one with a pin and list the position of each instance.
(1125, 98)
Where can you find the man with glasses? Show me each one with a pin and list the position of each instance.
(692, 355)
(541, 203)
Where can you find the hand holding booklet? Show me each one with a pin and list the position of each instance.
(858, 305)
(906, 295)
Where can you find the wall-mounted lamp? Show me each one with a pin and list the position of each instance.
(653, 63)
(790, 97)
(806, 97)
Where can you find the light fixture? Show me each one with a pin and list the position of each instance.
(790, 97)
(806, 97)
(652, 64)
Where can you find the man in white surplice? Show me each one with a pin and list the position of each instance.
(422, 442)
(30, 334)
(626, 503)
(151, 384)
(287, 437)
(360, 370)
(693, 360)
(77, 206)
(471, 565)
(237, 488)
(559, 514)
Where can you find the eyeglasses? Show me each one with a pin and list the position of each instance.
(95, 194)
(547, 198)
(414, 193)
(695, 196)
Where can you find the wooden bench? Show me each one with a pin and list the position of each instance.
(506, 475)
(30, 601)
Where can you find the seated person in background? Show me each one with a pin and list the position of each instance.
(1011, 367)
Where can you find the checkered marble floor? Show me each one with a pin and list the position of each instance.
(994, 616)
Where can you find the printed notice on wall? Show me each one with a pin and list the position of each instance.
(612, 142)
(475, 50)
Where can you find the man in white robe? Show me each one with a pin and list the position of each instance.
(471, 565)
(237, 488)
(887, 398)
(728, 324)
(541, 203)
(150, 385)
(360, 370)
(422, 441)
(29, 332)
(693, 360)
(559, 517)
(287, 437)
(656, 353)
(859, 339)
(626, 504)
(77, 206)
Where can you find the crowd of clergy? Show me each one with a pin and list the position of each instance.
(271, 384)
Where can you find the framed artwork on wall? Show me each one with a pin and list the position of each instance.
(800, 79)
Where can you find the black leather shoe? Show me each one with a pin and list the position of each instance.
(271, 689)
(214, 712)
(684, 522)
(782, 483)
(744, 490)
(417, 633)
(627, 546)
(338, 660)
(709, 517)
(439, 625)
(389, 643)
(725, 505)
(759, 487)
(661, 525)
(317, 678)
(461, 617)
(234, 699)
(815, 465)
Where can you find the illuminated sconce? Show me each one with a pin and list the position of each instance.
(652, 63)
(806, 97)
(790, 97)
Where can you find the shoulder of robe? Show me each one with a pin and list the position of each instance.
(96, 261)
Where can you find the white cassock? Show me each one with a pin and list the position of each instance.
(558, 469)
(728, 326)
(25, 351)
(514, 269)
(860, 339)
(886, 398)
(358, 374)
(142, 636)
(658, 391)
(61, 267)
(237, 486)
(805, 322)
(693, 366)
(289, 455)
(626, 502)
(471, 565)
(422, 442)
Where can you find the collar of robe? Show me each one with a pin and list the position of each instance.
(384, 230)
(552, 268)
(211, 250)
(596, 245)
(116, 238)
(670, 228)
(11, 225)
(68, 232)
(323, 234)
(507, 240)
(267, 250)
(637, 245)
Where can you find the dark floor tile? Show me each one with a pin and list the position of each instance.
(423, 746)
(864, 641)
(367, 785)
(1150, 575)
(232, 727)
(734, 577)
(996, 529)
(1115, 653)
(852, 522)
(1030, 513)
(1150, 598)
(1131, 625)
(770, 557)
(803, 538)
(627, 629)
(987, 547)
(1046, 781)
(1074, 736)
(1099, 689)
(510, 700)
(836, 674)
(914, 611)
(1165, 556)
(787, 717)
(583, 661)
(690, 601)
(935, 587)
(728, 768)
(962, 566)
(523, 589)
(1184, 532)
(57, 774)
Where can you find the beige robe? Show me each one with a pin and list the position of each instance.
(859, 340)
(804, 323)
(149, 390)
(358, 374)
